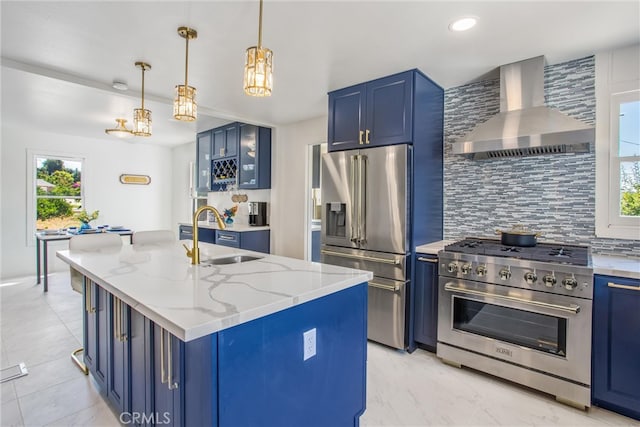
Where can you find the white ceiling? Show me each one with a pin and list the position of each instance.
(59, 58)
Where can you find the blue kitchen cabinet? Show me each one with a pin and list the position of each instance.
(118, 350)
(616, 345)
(258, 240)
(95, 332)
(425, 322)
(203, 161)
(225, 141)
(254, 157)
(315, 245)
(379, 112)
(206, 235)
(166, 380)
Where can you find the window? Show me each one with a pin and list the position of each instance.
(618, 143)
(57, 186)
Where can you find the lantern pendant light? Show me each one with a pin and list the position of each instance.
(120, 131)
(184, 105)
(258, 67)
(141, 116)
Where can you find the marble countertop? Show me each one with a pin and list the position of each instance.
(236, 227)
(616, 266)
(193, 301)
(434, 247)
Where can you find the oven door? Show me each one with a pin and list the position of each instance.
(541, 331)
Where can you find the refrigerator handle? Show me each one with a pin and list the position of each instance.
(354, 198)
(362, 200)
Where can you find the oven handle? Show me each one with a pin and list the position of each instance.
(572, 308)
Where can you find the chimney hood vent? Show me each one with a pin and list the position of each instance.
(525, 126)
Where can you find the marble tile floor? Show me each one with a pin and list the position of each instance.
(403, 389)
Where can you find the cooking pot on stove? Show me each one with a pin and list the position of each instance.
(519, 235)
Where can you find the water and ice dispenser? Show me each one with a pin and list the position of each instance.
(336, 214)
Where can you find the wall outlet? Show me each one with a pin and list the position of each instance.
(309, 343)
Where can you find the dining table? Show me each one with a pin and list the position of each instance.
(43, 237)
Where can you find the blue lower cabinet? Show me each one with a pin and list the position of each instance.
(315, 245)
(258, 240)
(254, 374)
(616, 345)
(95, 332)
(425, 321)
(206, 235)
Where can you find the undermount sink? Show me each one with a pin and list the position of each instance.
(231, 259)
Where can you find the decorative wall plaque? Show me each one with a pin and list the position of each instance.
(135, 179)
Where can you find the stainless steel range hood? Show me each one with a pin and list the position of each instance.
(525, 126)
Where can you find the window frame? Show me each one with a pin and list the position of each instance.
(32, 170)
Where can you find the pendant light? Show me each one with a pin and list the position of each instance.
(258, 67)
(120, 131)
(184, 105)
(141, 116)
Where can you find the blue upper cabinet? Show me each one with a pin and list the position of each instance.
(254, 157)
(371, 114)
(203, 162)
(225, 141)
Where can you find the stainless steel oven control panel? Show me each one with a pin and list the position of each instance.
(563, 279)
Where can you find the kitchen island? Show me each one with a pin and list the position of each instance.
(272, 341)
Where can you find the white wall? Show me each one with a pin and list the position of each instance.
(140, 207)
(288, 184)
(181, 156)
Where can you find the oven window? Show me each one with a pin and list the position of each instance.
(533, 330)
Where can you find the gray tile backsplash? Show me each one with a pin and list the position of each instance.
(552, 194)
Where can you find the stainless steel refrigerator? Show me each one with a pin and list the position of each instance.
(365, 225)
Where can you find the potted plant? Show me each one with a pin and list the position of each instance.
(85, 218)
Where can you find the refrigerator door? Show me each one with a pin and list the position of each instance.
(386, 312)
(383, 208)
(339, 196)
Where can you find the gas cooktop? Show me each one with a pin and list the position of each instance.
(545, 252)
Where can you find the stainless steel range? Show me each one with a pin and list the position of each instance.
(520, 313)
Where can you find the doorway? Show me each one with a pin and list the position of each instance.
(314, 204)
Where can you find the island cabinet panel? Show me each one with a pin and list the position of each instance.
(425, 323)
(379, 112)
(616, 347)
(96, 331)
(118, 349)
(140, 367)
(264, 378)
(166, 383)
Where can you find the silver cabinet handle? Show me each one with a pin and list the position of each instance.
(391, 288)
(119, 332)
(228, 238)
(172, 385)
(433, 260)
(362, 257)
(628, 287)
(572, 308)
(88, 286)
(166, 375)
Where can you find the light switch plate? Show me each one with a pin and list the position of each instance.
(309, 343)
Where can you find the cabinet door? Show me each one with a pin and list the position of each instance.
(389, 110)
(203, 181)
(225, 141)
(166, 376)
(118, 377)
(248, 156)
(228, 238)
(256, 241)
(425, 323)
(140, 365)
(96, 333)
(616, 347)
(346, 118)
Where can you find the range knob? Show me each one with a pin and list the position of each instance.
(481, 270)
(569, 283)
(452, 267)
(504, 273)
(530, 277)
(549, 280)
(465, 269)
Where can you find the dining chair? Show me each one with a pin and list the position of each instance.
(153, 236)
(88, 242)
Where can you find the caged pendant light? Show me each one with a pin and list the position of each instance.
(258, 67)
(184, 105)
(141, 116)
(120, 131)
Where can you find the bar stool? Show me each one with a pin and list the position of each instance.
(153, 236)
(88, 242)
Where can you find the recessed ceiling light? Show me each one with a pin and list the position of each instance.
(463, 24)
(119, 85)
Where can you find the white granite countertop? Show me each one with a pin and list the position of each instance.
(434, 247)
(193, 301)
(616, 266)
(236, 227)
